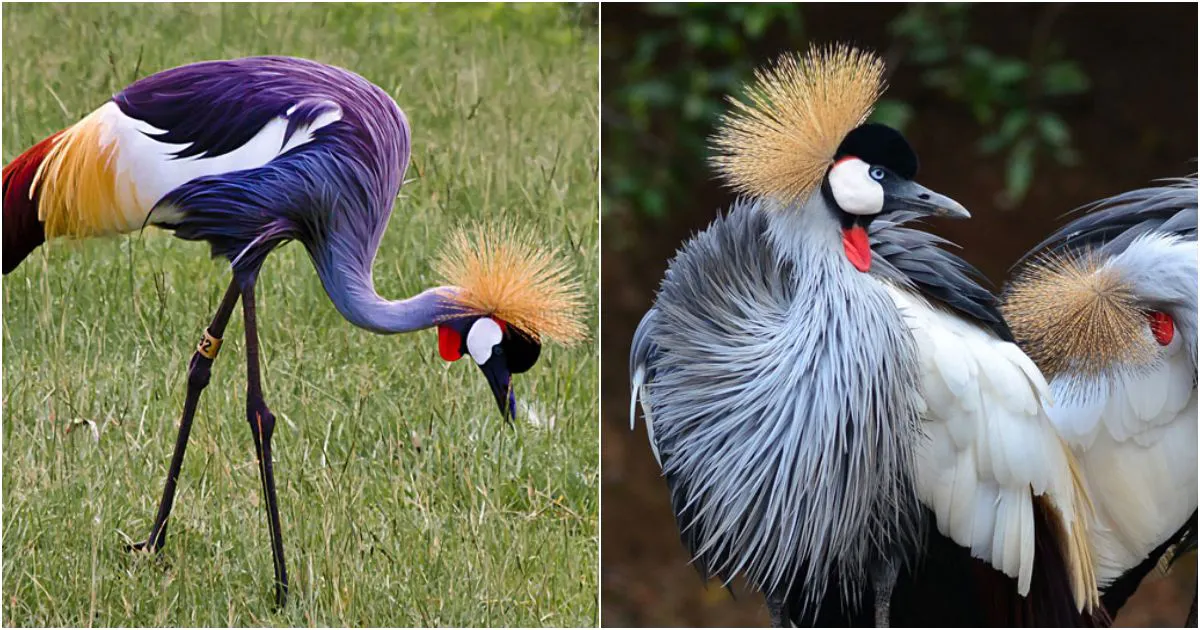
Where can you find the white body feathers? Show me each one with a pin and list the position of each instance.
(991, 446)
(113, 187)
(1142, 479)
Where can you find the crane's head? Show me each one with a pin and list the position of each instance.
(499, 349)
(1088, 315)
(872, 174)
(1113, 294)
(803, 131)
(507, 294)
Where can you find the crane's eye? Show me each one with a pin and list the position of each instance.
(1162, 326)
(877, 173)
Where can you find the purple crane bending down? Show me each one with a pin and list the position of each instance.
(251, 153)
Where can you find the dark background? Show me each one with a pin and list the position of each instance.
(1118, 80)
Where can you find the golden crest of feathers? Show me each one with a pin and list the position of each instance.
(506, 274)
(782, 140)
(1074, 314)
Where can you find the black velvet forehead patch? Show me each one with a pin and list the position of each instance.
(879, 144)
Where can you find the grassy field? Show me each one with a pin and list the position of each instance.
(404, 497)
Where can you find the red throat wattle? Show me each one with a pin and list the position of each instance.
(858, 249)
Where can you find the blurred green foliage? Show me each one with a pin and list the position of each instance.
(668, 68)
(670, 84)
(1010, 97)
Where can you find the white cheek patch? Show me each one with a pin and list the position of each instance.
(853, 189)
(485, 333)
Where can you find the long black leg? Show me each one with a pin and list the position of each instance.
(262, 425)
(885, 583)
(778, 610)
(199, 371)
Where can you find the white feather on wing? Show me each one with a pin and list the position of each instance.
(991, 446)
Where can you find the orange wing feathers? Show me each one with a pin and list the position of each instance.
(77, 183)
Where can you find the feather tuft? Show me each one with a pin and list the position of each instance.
(782, 140)
(505, 273)
(79, 189)
(1069, 312)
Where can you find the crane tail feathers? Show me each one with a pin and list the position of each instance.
(23, 230)
(69, 185)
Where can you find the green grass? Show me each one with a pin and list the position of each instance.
(405, 499)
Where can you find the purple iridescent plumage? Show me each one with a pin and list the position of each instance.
(246, 155)
(334, 193)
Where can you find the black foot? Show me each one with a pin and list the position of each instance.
(153, 543)
(146, 545)
(144, 550)
(141, 546)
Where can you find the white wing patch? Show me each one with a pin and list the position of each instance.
(991, 447)
(150, 166)
(1138, 452)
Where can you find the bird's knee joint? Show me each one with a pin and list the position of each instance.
(199, 372)
(262, 421)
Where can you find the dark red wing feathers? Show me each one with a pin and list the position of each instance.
(22, 229)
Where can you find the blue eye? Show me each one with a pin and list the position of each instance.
(877, 173)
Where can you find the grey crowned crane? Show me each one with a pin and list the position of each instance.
(1106, 306)
(836, 403)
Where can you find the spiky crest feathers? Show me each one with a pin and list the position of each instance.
(1070, 312)
(780, 142)
(505, 273)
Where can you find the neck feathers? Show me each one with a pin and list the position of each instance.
(351, 288)
(760, 350)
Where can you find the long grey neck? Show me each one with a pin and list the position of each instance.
(809, 235)
(863, 353)
(352, 291)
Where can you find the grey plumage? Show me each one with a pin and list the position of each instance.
(780, 388)
(915, 259)
(813, 370)
(1115, 222)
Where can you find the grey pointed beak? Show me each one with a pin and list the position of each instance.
(500, 381)
(911, 196)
